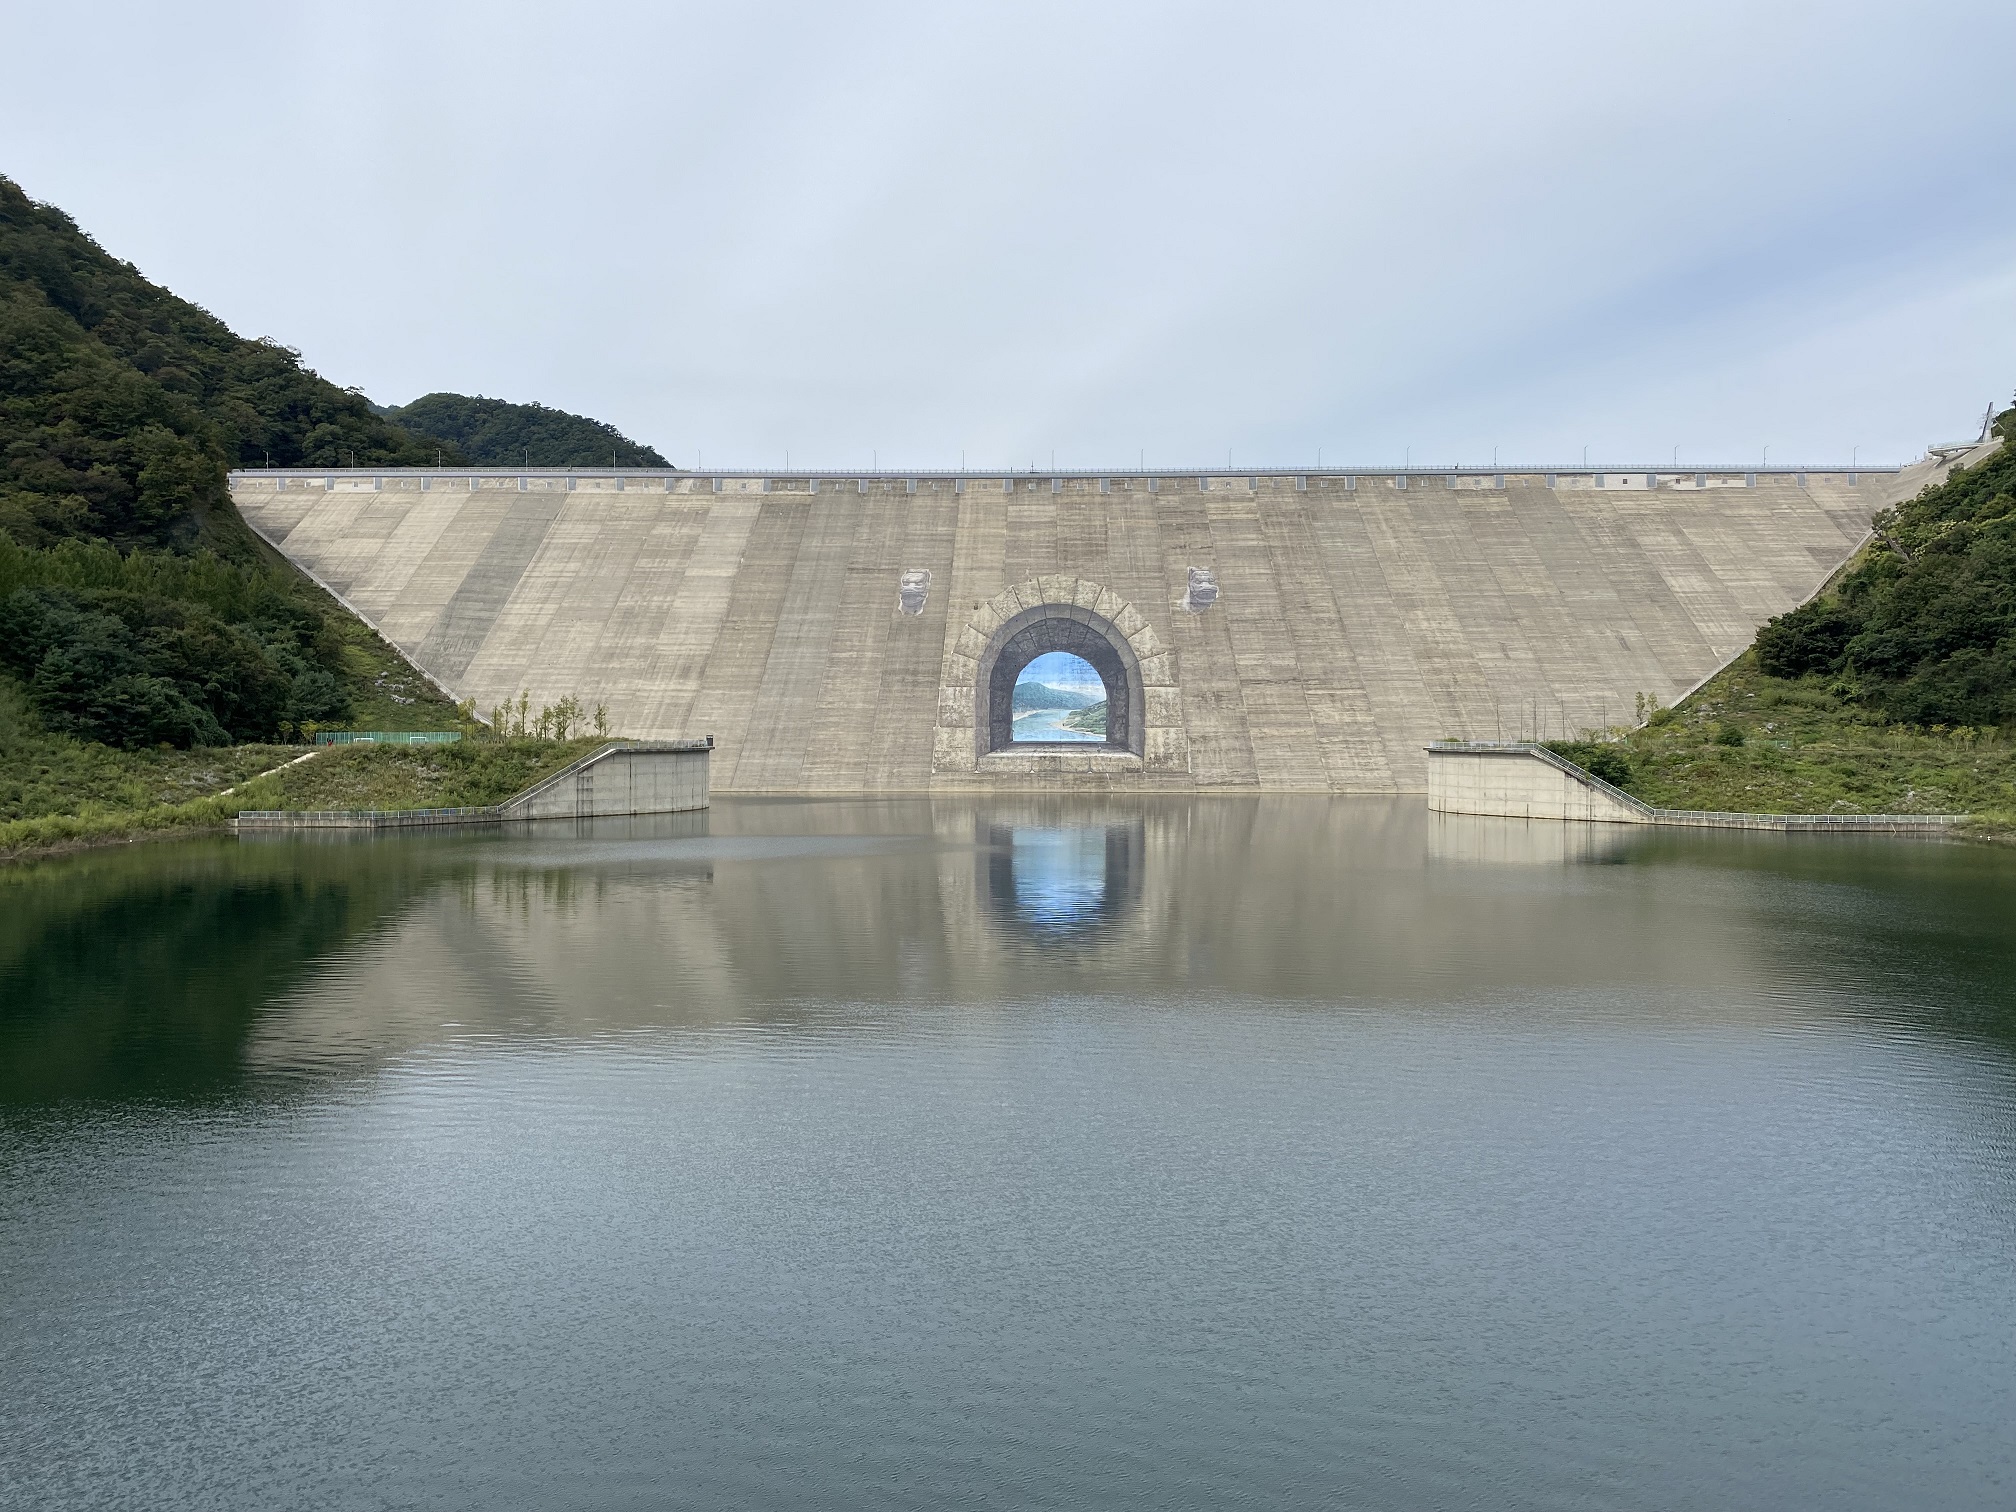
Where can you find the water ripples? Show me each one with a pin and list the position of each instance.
(913, 1154)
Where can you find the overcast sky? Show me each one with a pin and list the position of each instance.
(916, 233)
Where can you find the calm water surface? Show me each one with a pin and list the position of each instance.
(1271, 1153)
(1048, 725)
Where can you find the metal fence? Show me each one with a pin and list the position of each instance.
(368, 819)
(386, 737)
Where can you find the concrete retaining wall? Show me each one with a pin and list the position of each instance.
(666, 777)
(1518, 780)
(1522, 782)
(658, 777)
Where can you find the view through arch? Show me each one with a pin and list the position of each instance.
(1059, 696)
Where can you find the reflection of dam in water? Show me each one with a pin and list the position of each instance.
(703, 922)
(1224, 1144)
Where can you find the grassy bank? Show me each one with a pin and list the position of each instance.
(1750, 743)
(59, 794)
(471, 774)
(1892, 691)
(53, 776)
(51, 834)
(385, 692)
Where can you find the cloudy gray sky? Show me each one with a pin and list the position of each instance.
(1001, 232)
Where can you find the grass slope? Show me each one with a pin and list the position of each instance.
(1751, 743)
(1893, 690)
(50, 776)
(470, 774)
(58, 794)
(386, 691)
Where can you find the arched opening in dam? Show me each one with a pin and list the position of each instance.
(1078, 659)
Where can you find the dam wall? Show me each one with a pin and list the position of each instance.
(1271, 632)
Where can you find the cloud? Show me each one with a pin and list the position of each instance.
(998, 231)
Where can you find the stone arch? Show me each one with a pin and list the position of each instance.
(1059, 613)
(1057, 627)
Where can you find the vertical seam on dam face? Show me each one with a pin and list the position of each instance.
(1340, 629)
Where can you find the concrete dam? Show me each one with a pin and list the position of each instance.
(1285, 631)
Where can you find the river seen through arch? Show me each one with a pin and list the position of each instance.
(1119, 1153)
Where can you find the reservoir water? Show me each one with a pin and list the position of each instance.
(1048, 725)
(1126, 1154)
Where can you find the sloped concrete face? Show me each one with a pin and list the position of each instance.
(1354, 621)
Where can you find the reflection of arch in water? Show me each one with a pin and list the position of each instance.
(1053, 882)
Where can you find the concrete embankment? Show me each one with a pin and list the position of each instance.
(1521, 780)
(621, 778)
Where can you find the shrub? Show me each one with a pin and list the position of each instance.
(1811, 638)
(1596, 758)
(1921, 629)
(134, 669)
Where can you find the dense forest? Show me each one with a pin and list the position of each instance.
(136, 608)
(122, 406)
(1921, 630)
(496, 433)
(153, 648)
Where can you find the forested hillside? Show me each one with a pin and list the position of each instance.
(136, 609)
(496, 433)
(1921, 630)
(1893, 691)
(122, 406)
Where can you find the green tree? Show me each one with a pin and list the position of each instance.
(497, 433)
(1922, 629)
